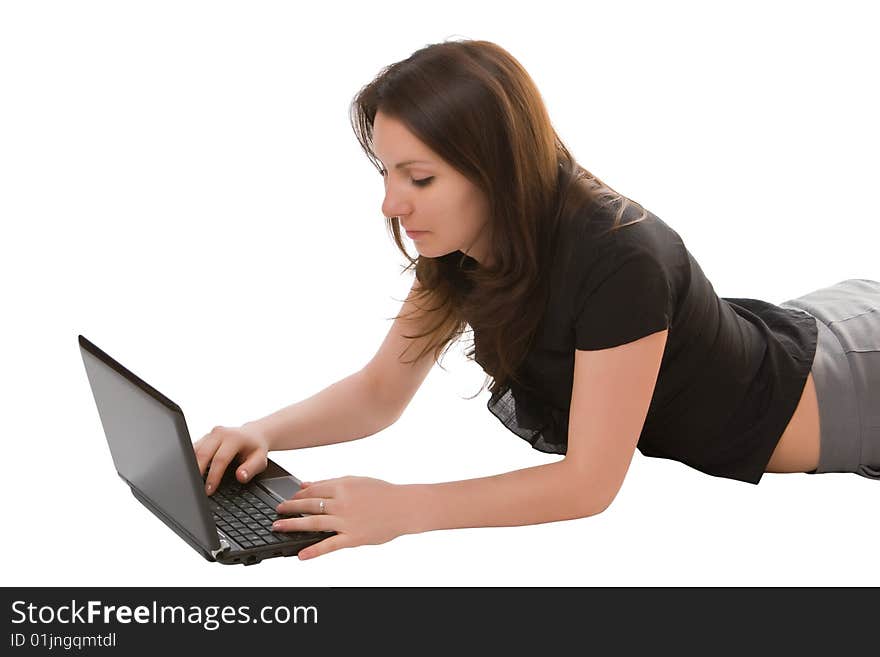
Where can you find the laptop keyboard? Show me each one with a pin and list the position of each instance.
(245, 517)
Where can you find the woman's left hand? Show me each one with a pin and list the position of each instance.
(361, 510)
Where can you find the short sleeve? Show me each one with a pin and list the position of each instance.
(625, 295)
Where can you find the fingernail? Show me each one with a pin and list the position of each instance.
(209, 487)
(275, 526)
(244, 474)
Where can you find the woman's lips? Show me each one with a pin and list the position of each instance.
(413, 234)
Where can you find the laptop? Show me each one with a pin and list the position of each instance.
(153, 453)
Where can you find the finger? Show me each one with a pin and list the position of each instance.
(323, 547)
(317, 523)
(204, 449)
(315, 489)
(305, 505)
(255, 463)
(213, 433)
(312, 483)
(218, 466)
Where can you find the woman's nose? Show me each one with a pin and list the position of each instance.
(392, 207)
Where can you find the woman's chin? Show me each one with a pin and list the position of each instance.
(427, 251)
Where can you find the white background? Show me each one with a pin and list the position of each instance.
(180, 183)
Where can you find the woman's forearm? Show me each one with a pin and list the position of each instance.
(544, 493)
(346, 410)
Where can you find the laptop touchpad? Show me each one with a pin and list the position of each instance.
(282, 487)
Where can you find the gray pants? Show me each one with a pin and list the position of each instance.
(846, 372)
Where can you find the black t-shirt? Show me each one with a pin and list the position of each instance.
(732, 372)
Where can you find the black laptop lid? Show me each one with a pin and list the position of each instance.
(149, 442)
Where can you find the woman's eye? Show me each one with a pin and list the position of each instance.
(422, 182)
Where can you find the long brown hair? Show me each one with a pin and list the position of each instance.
(476, 107)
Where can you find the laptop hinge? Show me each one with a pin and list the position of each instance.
(223, 547)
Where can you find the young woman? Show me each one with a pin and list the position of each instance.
(600, 330)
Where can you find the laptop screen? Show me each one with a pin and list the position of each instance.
(149, 442)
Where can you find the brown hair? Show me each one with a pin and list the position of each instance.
(475, 106)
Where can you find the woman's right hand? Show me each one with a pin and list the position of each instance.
(222, 444)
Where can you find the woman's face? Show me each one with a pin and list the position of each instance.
(429, 195)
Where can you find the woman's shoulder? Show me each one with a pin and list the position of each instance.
(606, 234)
(605, 223)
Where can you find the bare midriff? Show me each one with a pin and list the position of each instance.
(798, 448)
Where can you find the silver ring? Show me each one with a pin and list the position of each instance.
(322, 506)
